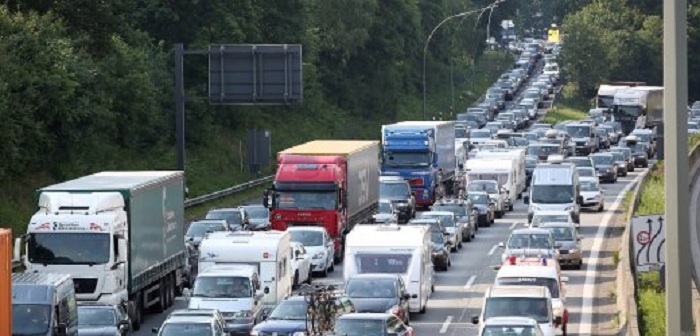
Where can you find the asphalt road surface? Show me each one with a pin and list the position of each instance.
(459, 292)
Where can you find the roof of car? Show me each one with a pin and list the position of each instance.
(189, 319)
(530, 231)
(551, 212)
(510, 321)
(376, 276)
(557, 224)
(588, 179)
(306, 228)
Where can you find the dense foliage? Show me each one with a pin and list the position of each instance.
(619, 40)
(86, 85)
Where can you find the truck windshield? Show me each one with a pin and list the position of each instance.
(535, 308)
(552, 194)
(579, 131)
(605, 101)
(391, 263)
(222, 287)
(85, 248)
(390, 190)
(627, 111)
(30, 319)
(313, 200)
(550, 283)
(407, 159)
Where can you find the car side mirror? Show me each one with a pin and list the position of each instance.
(123, 325)
(526, 199)
(407, 296)
(564, 279)
(579, 199)
(501, 245)
(259, 294)
(154, 330)
(266, 290)
(414, 296)
(475, 319)
(266, 198)
(61, 329)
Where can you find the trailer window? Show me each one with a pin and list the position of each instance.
(383, 263)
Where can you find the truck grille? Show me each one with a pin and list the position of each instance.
(85, 286)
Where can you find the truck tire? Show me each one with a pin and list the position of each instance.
(171, 289)
(160, 306)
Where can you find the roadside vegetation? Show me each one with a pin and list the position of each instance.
(87, 85)
(652, 306)
(569, 106)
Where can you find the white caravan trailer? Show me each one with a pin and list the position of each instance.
(503, 171)
(395, 249)
(267, 250)
(517, 154)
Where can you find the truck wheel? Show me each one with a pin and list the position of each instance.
(160, 306)
(510, 207)
(134, 315)
(563, 330)
(295, 284)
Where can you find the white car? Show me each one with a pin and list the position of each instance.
(318, 245)
(510, 326)
(552, 69)
(593, 198)
(301, 264)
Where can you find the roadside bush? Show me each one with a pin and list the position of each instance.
(652, 307)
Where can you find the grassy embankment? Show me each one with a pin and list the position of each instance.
(568, 106)
(217, 164)
(652, 311)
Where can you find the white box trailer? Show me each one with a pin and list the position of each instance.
(267, 250)
(518, 155)
(394, 249)
(501, 170)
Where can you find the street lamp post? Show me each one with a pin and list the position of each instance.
(430, 36)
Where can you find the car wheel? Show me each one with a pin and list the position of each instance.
(563, 330)
(310, 276)
(295, 284)
(510, 207)
(601, 207)
(469, 237)
(332, 267)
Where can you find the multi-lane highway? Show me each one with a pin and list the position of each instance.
(590, 293)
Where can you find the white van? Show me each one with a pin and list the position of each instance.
(555, 187)
(234, 290)
(520, 301)
(394, 249)
(268, 251)
(503, 171)
(538, 275)
(516, 154)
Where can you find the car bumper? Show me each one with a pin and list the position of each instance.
(238, 329)
(583, 150)
(319, 265)
(606, 176)
(640, 161)
(592, 204)
(440, 260)
(484, 219)
(567, 258)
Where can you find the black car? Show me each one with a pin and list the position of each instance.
(96, 319)
(237, 218)
(465, 213)
(379, 293)
(198, 229)
(605, 166)
(441, 250)
(484, 205)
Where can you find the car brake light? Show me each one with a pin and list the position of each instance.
(512, 260)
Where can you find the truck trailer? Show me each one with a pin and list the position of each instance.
(120, 235)
(422, 152)
(329, 183)
(639, 107)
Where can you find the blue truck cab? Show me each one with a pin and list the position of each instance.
(423, 153)
(44, 304)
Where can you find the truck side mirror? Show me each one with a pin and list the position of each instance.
(579, 199)
(17, 252)
(266, 198)
(121, 250)
(345, 199)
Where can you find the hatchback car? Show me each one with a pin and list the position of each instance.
(259, 217)
(237, 218)
(621, 163)
(198, 229)
(379, 293)
(568, 242)
(606, 166)
(453, 228)
(386, 213)
(484, 205)
(289, 317)
(627, 153)
(103, 319)
(593, 198)
(465, 213)
(361, 324)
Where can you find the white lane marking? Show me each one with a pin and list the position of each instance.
(586, 327)
(446, 324)
(470, 281)
(493, 249)
(514, 225)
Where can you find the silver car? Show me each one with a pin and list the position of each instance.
(386, 213)
(450, 224)
(465, 213)
(568, 242)
(592, 193)
(530, 241)
(495, 192)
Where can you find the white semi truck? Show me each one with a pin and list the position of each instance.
(120, 235)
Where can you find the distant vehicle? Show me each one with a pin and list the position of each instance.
(639, 107)
(568, 243)
(540, 217)
(198, 229)
(379, 293)
(370, 324)
(199, 325)
(504, 325)
(237, 218)
(258, 217)
(386, 213)
(289, 317)
(593, 197)
(318, 243)
(606, 165)
(484, 205)
(397, 190)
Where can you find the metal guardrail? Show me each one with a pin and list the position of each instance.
(227, 192)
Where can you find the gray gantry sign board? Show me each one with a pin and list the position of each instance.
(649, 238)
(255, 74)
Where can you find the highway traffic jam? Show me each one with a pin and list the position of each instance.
(481, 225)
